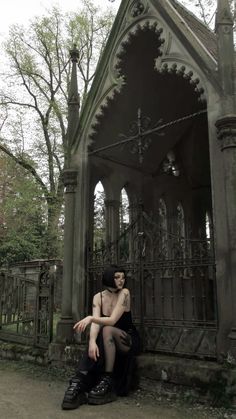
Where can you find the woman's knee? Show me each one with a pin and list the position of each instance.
(107, 331)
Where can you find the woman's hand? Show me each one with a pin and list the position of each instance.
(82, 324)
(93, 350)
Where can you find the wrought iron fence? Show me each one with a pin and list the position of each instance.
(26, 308)
(172, 283)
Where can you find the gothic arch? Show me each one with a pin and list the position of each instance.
(124, 217)
(168, 61)
(99, 221)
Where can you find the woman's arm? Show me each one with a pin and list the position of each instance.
(93, 350)
(94, 330)
(123, 304)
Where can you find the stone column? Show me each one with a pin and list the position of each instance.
(227, 136)
(112, 225)
(81, 227)
(65, 325)
(112, 219)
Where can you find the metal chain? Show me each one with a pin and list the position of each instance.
(150, 131)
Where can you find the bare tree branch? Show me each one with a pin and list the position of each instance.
(26, 165)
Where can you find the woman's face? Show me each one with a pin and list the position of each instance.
(119, 279)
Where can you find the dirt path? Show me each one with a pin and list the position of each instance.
(31, 392)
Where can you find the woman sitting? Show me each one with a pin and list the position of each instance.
(105, 369)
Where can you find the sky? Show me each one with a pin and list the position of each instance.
(21, 11)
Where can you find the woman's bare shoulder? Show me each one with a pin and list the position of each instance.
(97, 297)
(125, 291)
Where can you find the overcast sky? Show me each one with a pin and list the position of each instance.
(20, 11)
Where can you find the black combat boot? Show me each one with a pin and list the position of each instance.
(103, 392)
(75, 394)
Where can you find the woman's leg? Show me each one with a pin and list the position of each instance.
(80, 384)
(114, 339)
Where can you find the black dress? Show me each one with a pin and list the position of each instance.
(124, 366)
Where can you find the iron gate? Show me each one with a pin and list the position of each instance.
(26, 308)
(172, 284)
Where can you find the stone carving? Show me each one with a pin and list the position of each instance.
(134, 31)
(226, 131)
(137, 9)
(181, 340)
(168, 66)
(70, 180)
(117, 87)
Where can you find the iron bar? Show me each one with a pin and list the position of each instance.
(22, 319)
(146, 133)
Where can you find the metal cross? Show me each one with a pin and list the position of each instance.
(139, 133)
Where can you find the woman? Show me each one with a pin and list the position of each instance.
(105, 369)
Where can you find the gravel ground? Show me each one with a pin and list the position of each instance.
(28, 391)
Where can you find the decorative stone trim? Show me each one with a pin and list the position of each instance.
(181, 70)
(137, 8)
(103, 105)
(226, 131)
(134, 31)
(119, 81)
(140, 22)
(70, 180)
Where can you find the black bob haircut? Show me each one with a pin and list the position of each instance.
(109, 276)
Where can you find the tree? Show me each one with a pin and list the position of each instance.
(22, 214)
(206, 10)
(34, 95)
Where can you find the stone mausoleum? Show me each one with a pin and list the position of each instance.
(159, 124)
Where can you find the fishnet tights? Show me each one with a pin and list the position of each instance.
(114, 339)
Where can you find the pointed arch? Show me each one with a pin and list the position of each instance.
(208, 225)
(124, 214)
(99, 221)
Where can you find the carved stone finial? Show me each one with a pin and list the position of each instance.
(73, 98)
(223, 14)
(74, 54)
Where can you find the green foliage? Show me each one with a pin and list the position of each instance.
(22, 214)
(124, 210)
(100, 219)
(34, 100)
